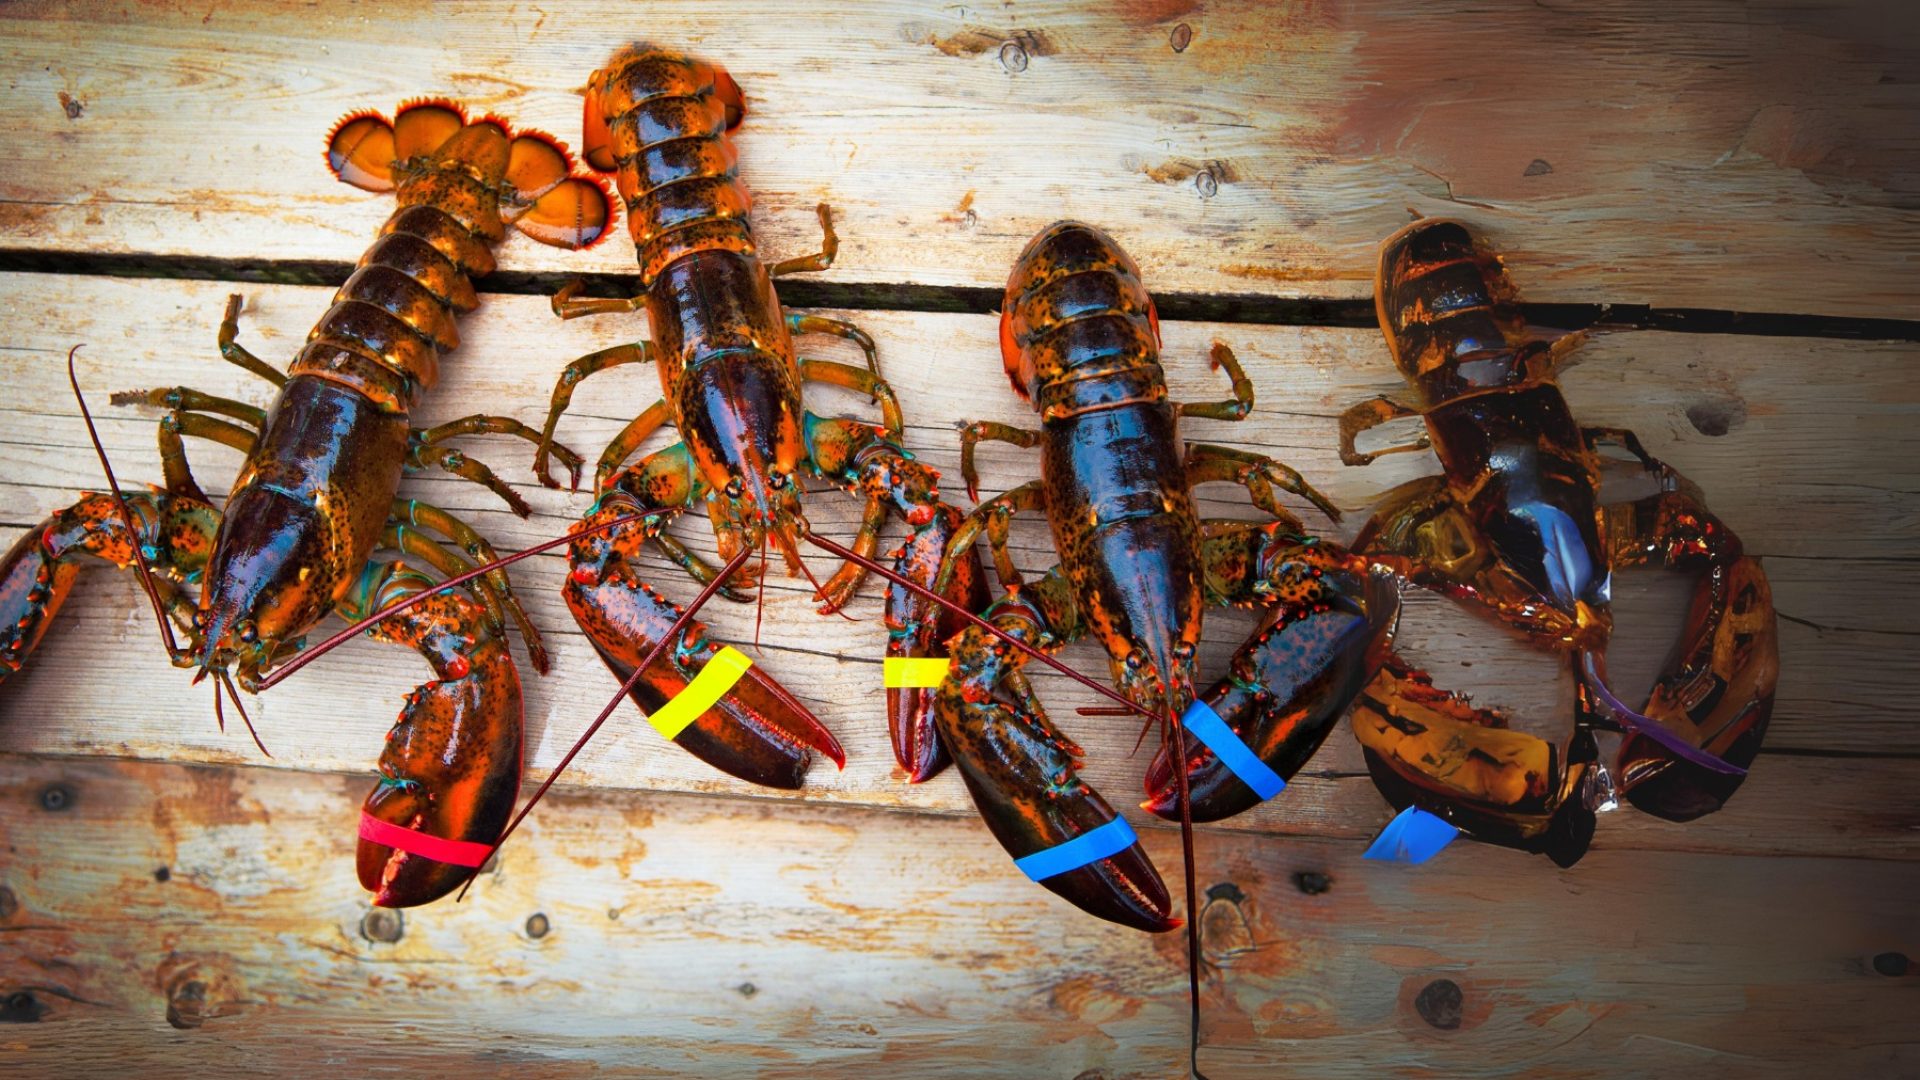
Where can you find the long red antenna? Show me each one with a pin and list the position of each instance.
(126, 512)
(308, 656)
(640, 669)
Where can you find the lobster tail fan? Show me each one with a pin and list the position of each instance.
(423, 126)
(576, 213)
(360, 151)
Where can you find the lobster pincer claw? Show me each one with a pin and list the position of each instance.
(706, 697)
(917, 630)
(450, 773)
(1288, 685)
(1058, 829)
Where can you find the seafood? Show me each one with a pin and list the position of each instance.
(1080, 341)
(316, 494)
(1514, 527)
(731, 379)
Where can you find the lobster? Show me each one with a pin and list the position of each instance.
(1080, 341)
(1514, 527)
(317, 492)
(659, 122)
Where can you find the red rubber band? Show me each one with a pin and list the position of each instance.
(414, 842)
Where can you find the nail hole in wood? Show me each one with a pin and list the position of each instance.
(1312, 882)
(57, 797)
(1439, 1002)
(382, 925)
(537, 926)
(1893, 964)
(1181, 38)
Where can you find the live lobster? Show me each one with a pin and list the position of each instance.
(731, 380)
(316, 494)
(1080, 341)
(1514, 527)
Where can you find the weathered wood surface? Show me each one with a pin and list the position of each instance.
(837, 941)
(1733, 156)
(1834, 512)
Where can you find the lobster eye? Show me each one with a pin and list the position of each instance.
(1183, 651)
(778, 480)
(1133, 660)
(734, 488)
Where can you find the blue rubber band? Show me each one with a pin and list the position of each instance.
(1412, 837)
(1207, 726)
(1108, 840)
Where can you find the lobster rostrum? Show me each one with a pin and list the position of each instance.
(315, 496)
(1138, 567)
(731, 379)
(1514, 527)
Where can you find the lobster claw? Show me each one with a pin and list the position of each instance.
(1287, 687)
(431, 820)
(1023, 781)
(917, 628)
(756, 731)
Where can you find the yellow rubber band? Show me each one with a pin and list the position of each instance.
(708, 687)
(903, 672)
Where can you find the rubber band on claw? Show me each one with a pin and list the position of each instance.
(1412, 837)
(914, 672)
(703, 693)
(1104, 842)
(1206, 725)
(415, 842)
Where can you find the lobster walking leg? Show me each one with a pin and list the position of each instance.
(575, 373)
(235, 353)
(494, 588)
(821, 260)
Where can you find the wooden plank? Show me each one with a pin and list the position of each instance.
(1843, 691)
(618, 934)
(1714, 155)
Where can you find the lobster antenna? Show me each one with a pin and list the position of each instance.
(760, 601)
(308, 656)
(1179, 737)
(126, 512)
(227, 681)
(923, 592)
(633, 680)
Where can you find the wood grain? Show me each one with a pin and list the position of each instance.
(1745, 157)
(616, 934)
(1835, 515)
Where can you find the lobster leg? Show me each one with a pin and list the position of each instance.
(1022, 773)
(176, 533)
(863, 459)
(1717, 688)
(1262, 476)
(821, 260)
(1241, 405)
(450, 773)
(1325, 632)
(995, 518)
(235, 353)
(423, 438)
(1367, 415)
(634, 353)
(981, 431)
(758, 731)
(494, 587)
(820, 324)
(838, 438)
(627, 443)
(566, 304)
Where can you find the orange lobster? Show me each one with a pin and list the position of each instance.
(316, 494)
